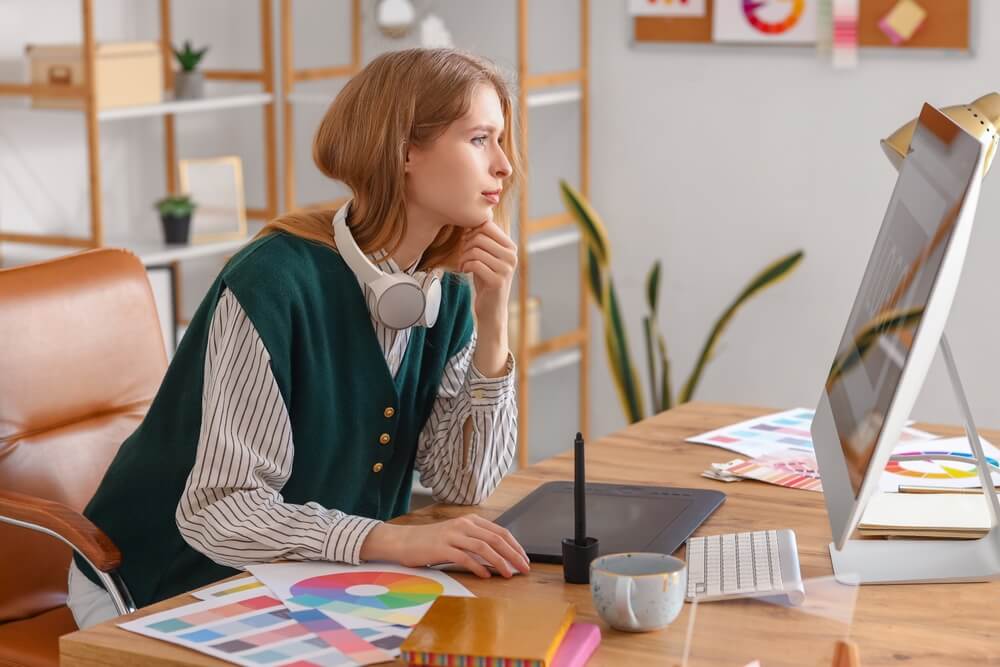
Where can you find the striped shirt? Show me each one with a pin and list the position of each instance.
(232, 510)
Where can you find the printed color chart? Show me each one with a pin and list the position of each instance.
(257, 629)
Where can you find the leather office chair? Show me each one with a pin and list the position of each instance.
(81, 357)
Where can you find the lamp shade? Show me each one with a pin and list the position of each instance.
(981, 119)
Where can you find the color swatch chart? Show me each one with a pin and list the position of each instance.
(784, 435)
(388, 597)
(257, 629)
(943, 463)
(371, 594)
(801, 473)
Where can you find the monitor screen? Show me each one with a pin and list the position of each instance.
(897, 284)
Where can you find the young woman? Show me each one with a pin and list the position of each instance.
(304, 395)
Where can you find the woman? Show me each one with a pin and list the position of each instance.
(297, 407)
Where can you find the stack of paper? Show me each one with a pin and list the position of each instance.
(955, 515)
(306, 614)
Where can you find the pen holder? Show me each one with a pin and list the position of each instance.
(576, 559)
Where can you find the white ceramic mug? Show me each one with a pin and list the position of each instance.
(638, 592)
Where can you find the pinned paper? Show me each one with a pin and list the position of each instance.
(902, 21)
(845, 34)
(674, 8)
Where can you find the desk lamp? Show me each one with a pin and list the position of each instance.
(980, 119)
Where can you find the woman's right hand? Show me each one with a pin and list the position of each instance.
(456, 540)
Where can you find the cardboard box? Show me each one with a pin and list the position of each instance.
(126, 73)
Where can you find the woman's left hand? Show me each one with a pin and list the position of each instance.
(490, 255)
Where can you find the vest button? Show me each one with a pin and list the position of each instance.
(389, 412)
(384, 439)
(377, 467)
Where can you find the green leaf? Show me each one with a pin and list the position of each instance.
(665, 389)
(768, 276)
(666, 400)
(653, 288)
(594, 280)
(589, 222)
(626, 381)
(647, 331)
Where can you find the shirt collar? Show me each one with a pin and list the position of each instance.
(386, 263)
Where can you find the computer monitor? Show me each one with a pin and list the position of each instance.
(898, 316)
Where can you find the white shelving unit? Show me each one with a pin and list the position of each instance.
(187, 106)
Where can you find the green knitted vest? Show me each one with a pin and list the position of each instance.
(310, 313)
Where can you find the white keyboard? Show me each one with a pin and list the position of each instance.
(721, 567)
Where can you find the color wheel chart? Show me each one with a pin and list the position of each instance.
(938, 465)
(757, 15)
(257, 629)
(387, 597)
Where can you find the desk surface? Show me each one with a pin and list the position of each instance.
(937, 624)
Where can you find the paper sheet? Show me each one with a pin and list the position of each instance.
(254, 628)
(782, 435)
(374, 593)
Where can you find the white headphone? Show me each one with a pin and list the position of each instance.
(397, 299)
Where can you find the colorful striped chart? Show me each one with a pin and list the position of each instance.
(792, 473)
(254, 629)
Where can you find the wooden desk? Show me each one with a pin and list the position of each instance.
(939, 624)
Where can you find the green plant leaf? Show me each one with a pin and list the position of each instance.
(594, 280)
(647, 331)
(617, 339)
(653, 288)
(665, 389)
(588, 221)
(770, 275)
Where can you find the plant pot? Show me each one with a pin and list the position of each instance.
(176, 229)
(189, 85)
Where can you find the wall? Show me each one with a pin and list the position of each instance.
(715, 160)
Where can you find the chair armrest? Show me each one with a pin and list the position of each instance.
(61, 522)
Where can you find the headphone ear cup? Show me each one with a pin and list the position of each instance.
(399, 303)
(432, 305)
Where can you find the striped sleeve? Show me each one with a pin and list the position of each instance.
(231, 509)
(454, 473)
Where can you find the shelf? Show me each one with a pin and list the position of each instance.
(553, 362)
(162, 109)
(188, 106)
(536, 100)
(552, 240)
(150, 253)
(153, 253)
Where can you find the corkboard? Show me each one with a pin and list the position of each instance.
(946, 26)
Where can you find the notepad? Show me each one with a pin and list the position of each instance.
(578, 645)
(902, 21)
(458, 630)
(956, 515)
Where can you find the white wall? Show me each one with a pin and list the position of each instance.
(715, 160)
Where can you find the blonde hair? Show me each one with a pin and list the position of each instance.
(399, 98)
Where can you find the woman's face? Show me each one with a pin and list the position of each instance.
(457, 179)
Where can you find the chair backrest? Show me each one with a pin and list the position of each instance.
(81, 357)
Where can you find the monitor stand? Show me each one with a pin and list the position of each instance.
(875, 561)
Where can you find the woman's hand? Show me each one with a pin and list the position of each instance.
(490, 255)
(457, 541)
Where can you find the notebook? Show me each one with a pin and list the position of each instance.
(957, 515)
(578, 645)
(479, 631)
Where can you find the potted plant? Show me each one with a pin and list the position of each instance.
(175, 214)
(189, 83)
